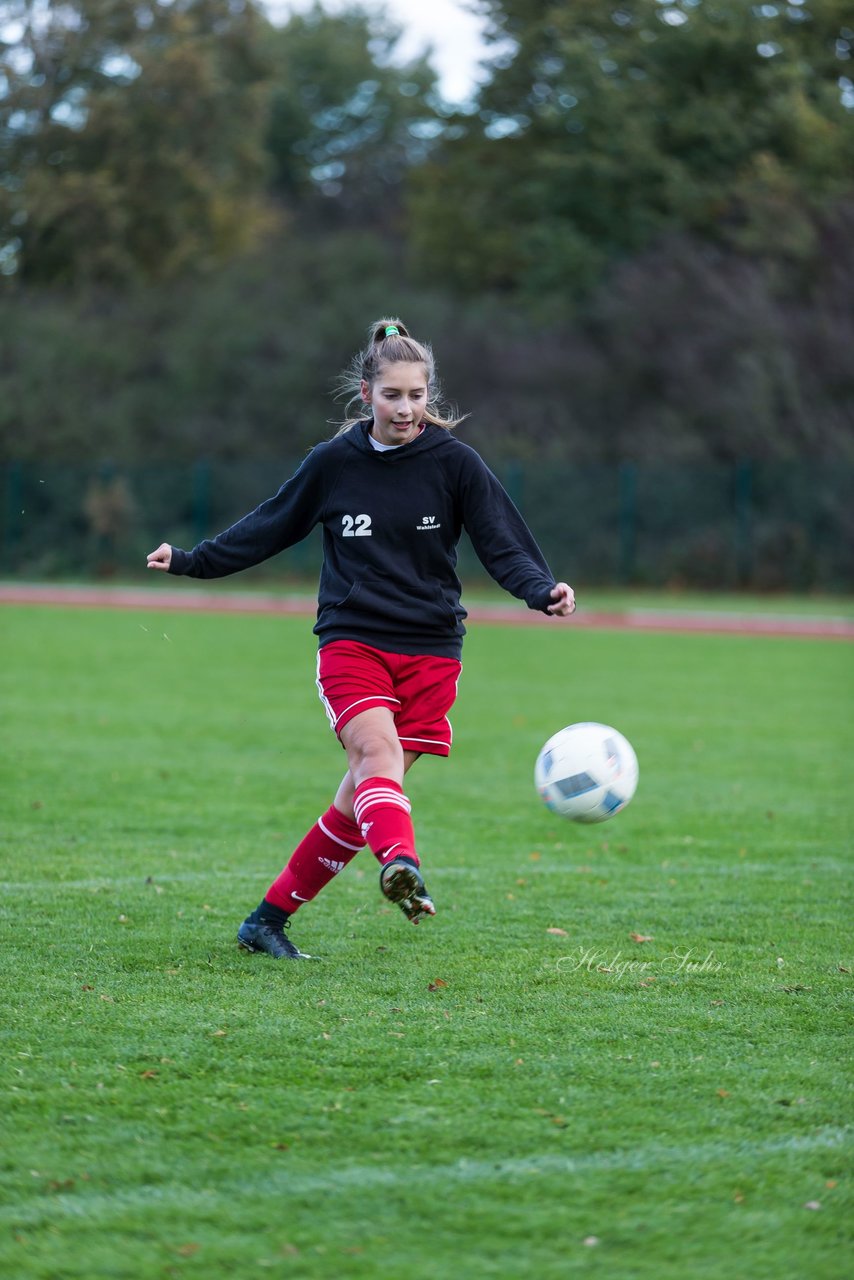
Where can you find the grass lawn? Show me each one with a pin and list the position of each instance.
(520, 1087)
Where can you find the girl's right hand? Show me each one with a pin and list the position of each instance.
(161, 558)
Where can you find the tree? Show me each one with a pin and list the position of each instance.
(346, 122)
(131, 136)
(619, 120)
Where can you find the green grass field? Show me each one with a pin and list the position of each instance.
(517, 1088)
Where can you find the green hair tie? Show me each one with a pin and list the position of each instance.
(392, 330)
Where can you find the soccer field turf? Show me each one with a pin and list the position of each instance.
(618, 1051)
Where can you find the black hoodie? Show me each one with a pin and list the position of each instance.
(391, 523)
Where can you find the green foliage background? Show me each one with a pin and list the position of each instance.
(636, 243)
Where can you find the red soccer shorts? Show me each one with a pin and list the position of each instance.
(418, 689)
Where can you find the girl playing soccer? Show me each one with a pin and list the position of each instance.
(393, 491)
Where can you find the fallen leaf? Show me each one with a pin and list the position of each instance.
(641, 937)
(220, 1032)
(842, 969)
(435, 985)
(558, 933)
(88, 988)
(723, 1093)
(148, 1075)
(187, 1250)
(556, 1120)
(813, 1204)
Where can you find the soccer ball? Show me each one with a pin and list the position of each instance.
(586, 772)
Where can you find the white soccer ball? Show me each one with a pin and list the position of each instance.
(586, 772)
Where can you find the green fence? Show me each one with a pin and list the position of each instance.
(766, 526)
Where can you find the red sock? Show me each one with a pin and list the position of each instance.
(382, 812)
(331, 843)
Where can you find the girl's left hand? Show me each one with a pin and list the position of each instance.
(161, 558)
(564, 598)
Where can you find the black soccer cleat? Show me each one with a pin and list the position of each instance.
(401, 882)
(266, 937)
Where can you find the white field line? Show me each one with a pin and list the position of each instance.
(99, 884)
(769, 870)
(280, 1182)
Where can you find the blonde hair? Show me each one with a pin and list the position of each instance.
(389, 342)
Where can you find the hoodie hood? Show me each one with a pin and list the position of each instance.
(431, 437)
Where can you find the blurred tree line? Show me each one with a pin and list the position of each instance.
(638, 241)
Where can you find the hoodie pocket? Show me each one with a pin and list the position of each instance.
(380, 604)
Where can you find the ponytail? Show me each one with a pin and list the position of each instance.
(389, 342)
